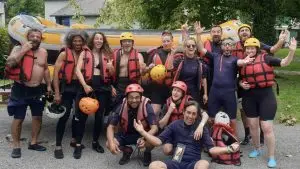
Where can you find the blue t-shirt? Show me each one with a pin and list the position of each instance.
(225, 71)
(132, 114)
(180, 133)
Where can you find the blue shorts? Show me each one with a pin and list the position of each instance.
(17, 108)
(182, 165)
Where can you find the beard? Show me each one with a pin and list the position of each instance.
(35, 45)
(216, 39)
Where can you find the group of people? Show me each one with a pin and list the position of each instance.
(177, 112)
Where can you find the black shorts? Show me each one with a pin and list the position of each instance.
(22, 97)
(127, 139)
(260, 102)
(159, 94)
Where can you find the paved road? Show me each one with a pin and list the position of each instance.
(288, 143)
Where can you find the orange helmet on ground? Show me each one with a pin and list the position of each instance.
(88, 105)
(181, 85)
(134, 88)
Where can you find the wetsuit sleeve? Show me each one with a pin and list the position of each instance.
(167, 133)
(151, 118)
(206, 139)
(204, 70)
(265, 47)
(163, 112)
(272, 61)
(150, 57)
(115, 117)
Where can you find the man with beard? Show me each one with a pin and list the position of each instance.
(66, 84)
(245, 32)
(128, 65)
(27, 66)
(134, 106)
(224, 81)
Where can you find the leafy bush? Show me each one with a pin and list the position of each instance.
(4, 49)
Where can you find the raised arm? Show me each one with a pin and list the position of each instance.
(283, 35)
(288, 59)
(17, 54)
(198, 31)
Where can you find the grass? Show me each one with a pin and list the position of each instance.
(295, 65)
(289, 96)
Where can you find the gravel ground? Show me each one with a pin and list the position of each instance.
(287, 150)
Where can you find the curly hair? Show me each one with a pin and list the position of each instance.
(105, 46)
(72, 34)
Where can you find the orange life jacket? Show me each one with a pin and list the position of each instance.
(67, 69)
(88, 67)
(169, 76)
(133, 65)
(227, 158)
(23, 71)
(177, 114)
(259, 74)
(239, 50)
(141, 114)
(177, 73)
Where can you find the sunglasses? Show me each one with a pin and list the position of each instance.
(189, 46)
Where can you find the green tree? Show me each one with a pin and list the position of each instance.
(30, 7)
(77, 14)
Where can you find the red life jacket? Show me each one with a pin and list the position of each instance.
(169, 77)
(177, 114)
(141, 114)
(228, 158)
(88, 67)
(259, 74)
(177, 73)
(239, 50)
(23, 71)
(67, 68)
(133, 65)
(207, 45)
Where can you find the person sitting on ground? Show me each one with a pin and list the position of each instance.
(188, 150)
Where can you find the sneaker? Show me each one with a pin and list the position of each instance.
(73, 144)
(36, 147)
(77, 152)
(246, 140)
(58, 154)
(125, 158)
(16, 153)
(97, 147)
(272, 163)
(147, 159)
(254, 153)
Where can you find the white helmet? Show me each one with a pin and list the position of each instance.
(222, 117)
(55, 111)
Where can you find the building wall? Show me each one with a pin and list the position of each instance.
(53, 6)
(2, 14)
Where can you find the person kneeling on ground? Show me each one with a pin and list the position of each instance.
(134, 106)
(173, 110)
(188, 150)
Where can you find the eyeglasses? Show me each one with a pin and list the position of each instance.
(189, 46)
(228, 43)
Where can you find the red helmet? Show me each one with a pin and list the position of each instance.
(134, 88)
(181, 85)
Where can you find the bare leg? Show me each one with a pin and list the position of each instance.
(201, 164)
(233, 126)
(36, 128)
(254, 126)
(16, 128)
(267, 127)
(167, 149)
(157, 165)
